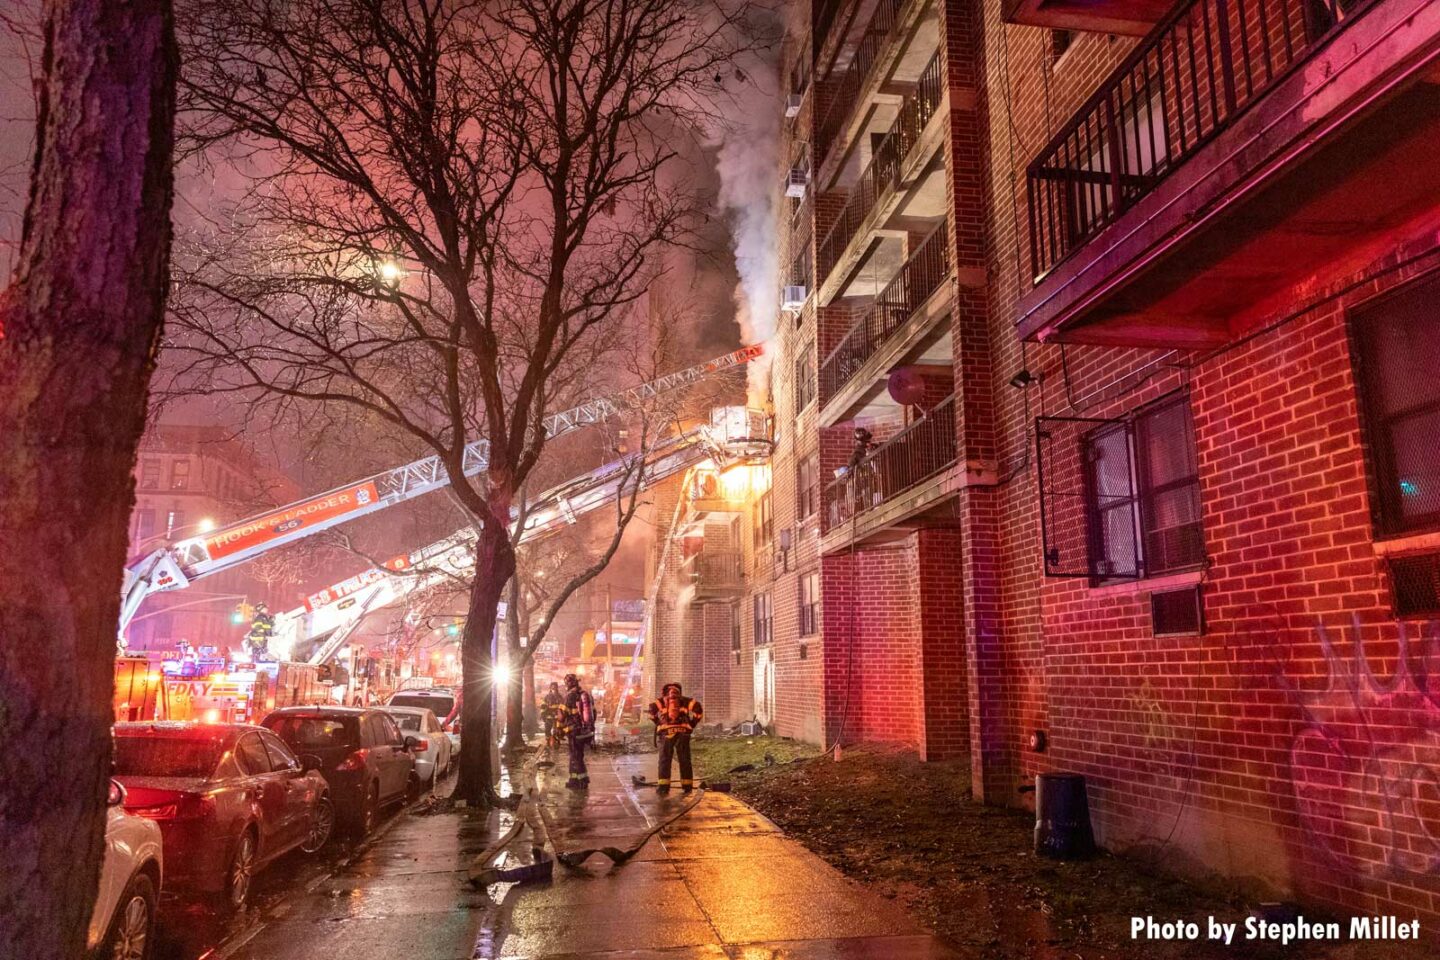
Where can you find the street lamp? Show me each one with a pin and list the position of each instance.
(203, 525)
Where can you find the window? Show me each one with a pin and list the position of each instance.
(809, 604)
(174, 522)
(311, 733)
(150, 473)
(280, 756)
(137, 755)
(250, 753)
(807, 487)
(144, 524)
(805, 377)
(390, 731)
(764, 622)
(735, 627)
(764, 529)
(1398, 352)
(1143, 494)
(1060, 43)
(180, 474)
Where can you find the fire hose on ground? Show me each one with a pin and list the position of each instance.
(530, 813)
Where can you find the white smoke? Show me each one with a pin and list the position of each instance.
(748, 162)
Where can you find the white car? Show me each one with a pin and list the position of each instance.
(433, 761)
(123, 924)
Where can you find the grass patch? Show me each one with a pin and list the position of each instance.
(911, 832)
(716, 756)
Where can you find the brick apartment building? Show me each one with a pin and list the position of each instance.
(1138, 302)
(189, 479)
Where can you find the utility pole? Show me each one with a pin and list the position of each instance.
(609, 636)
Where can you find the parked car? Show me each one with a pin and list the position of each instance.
(438, 700)
(432, 755)
(123, 924)
(229, 798)
(362, 754)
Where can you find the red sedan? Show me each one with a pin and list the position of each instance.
(229, 799)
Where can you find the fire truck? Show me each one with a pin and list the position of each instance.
(213, 691)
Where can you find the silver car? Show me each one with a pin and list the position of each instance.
(433, 761)
(123, 924)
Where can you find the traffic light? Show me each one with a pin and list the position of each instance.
(453, 628)
(242, 614)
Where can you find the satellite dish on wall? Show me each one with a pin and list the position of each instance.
(906, 386)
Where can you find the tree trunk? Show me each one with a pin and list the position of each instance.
(514, 687)
(530, 722)
(494, 566)
(80, 327)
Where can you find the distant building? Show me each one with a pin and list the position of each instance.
(189, 479)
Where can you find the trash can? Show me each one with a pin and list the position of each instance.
(1062, 817)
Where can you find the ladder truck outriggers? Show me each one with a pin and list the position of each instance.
(733, 432)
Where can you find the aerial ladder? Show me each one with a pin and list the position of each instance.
(339, 609)
(175, 566)
(734, 434)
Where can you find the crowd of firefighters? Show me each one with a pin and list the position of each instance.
(569, 718)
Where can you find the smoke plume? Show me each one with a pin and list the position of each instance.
(748, 162)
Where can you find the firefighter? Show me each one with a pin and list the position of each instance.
(676, 716)
(552, 710)
(579, 728)
(262, 627)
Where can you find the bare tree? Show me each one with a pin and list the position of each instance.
(451, 197)
(78, 330)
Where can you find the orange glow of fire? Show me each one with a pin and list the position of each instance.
(742, 481)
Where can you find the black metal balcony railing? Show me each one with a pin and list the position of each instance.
(883, 172)
(914, 454)
(1188, 80)
(718, 571)
(847, 86)
(906, 293)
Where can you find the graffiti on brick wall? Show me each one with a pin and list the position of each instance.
(1168, 752)
(1365, 762)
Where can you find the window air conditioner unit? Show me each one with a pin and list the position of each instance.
(792, 104)
(793, 297)
(796, 182)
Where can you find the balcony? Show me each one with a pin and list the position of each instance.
(853, 79)
(888, 321)
(923, 450)
(895, 184)
(716, 574)
(1243, 149)
(1135, 17)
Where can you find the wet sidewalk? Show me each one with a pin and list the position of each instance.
(719, 883)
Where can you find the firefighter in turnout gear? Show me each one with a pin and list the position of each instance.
(676, 716)
(262, 628)
(578, 725)
(552, 713)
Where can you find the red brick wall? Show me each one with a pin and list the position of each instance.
(1291, 743)
(873, 679)
(894, 642)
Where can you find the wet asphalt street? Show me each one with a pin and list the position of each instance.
(720, 883)
(195, 931)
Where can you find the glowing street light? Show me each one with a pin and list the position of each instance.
(501, 673)
(205, 525)
(390, 272)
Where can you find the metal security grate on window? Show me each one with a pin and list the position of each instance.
(1177, 613)
(1416, 585)
(1087, 515)
(1398, 340)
